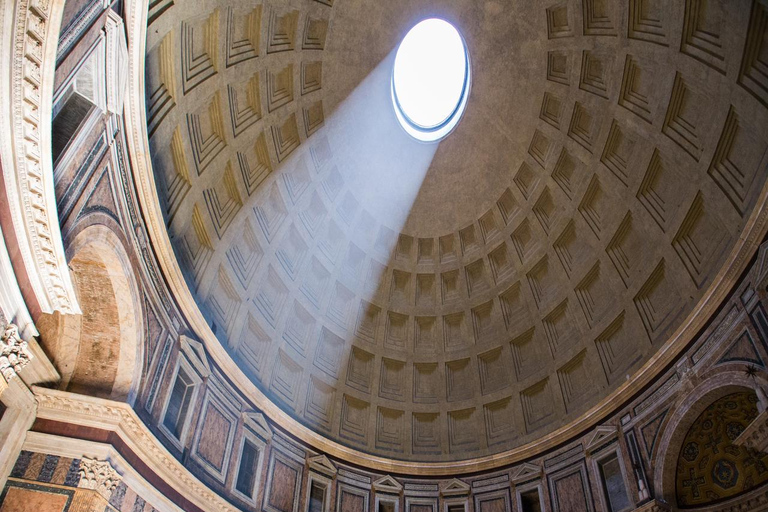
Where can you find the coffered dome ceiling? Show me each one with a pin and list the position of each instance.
(457, 300)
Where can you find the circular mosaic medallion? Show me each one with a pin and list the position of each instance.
(725, 474)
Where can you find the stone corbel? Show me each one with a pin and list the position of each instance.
(97, 481)
(14, 354)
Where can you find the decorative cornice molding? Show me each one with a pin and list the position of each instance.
(99, 476)
(120, 418)
(27, 167)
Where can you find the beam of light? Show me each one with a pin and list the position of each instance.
(382, 167)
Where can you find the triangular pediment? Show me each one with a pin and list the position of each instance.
(454, 488)
(387, 484)
(600, 436)
(195, 354)
(322, 465)
(258, 424)
(101, 199)
(526, 472)
(742, 351)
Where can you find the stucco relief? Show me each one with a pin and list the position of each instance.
(14, 352)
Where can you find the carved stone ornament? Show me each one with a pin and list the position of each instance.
(99, 476)
(755, 436)
(28, 67)
(120, 417)
(14, 352)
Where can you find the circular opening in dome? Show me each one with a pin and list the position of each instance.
(430, 79)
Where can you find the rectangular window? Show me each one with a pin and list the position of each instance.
(178, 404)
(386, 506)
(316, 497)
(613, 484)
(456, 508)
(72, 114)
(73, 107)
(530, 501)
(246, 475)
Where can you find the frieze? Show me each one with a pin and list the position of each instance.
(27, 167)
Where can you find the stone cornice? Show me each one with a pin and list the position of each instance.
(27, 82)
(120, 418)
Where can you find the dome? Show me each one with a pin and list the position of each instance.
(300, 256)
(477, 298)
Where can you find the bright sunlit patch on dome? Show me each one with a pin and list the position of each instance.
(430, 79)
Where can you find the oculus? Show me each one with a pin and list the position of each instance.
(430, 80)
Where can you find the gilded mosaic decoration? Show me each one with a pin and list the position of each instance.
(710, 467)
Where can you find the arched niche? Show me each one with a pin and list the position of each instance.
(710, 467)
(99, 352)
(679, 431)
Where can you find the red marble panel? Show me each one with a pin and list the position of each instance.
(214, 437)
(351, 502)
(283, 487)
(493, 505)
(570, 494)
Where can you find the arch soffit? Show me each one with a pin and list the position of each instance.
(103, 244)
